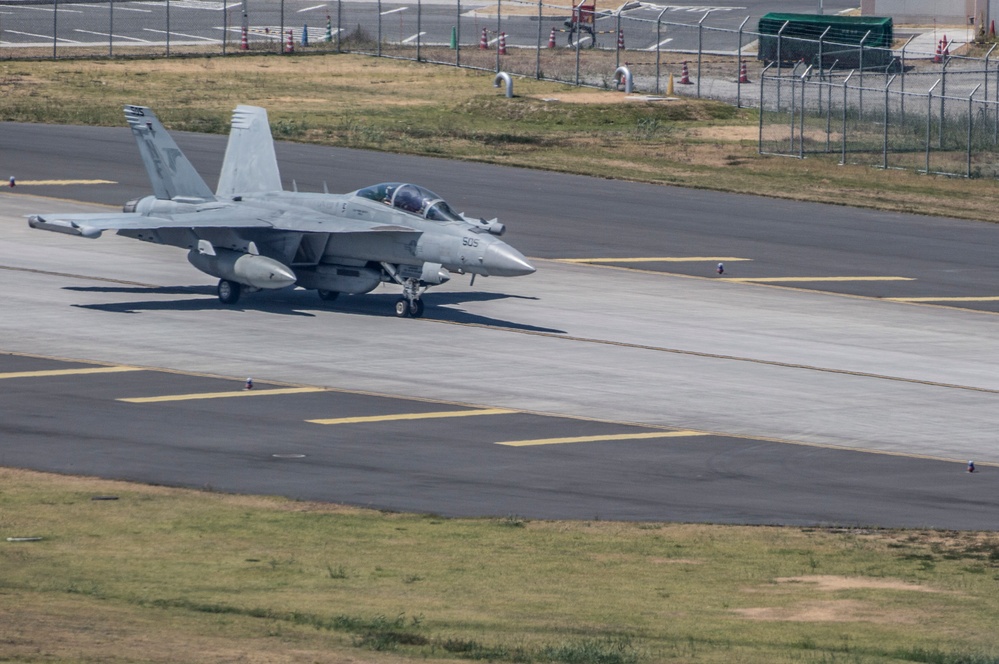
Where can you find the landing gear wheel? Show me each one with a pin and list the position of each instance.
(328, 295)
(228, 291)
(416, 308)
(402, 307)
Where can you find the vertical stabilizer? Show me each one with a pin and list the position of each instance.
(250, 164)
(170, 173)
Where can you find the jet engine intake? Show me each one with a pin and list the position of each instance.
(256, 271)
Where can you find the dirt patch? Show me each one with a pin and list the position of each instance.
(839, 610)
(742, 133)
(829, 583)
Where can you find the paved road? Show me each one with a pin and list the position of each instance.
(767, 405)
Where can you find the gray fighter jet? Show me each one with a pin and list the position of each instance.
(253, 235)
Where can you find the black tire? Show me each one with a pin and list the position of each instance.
(416, 308)
(228, 291)
(402, 307)
(328, 295)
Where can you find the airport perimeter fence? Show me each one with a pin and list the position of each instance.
(943, 122)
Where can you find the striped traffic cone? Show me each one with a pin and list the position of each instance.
(551, 39)
(938, 56)
(684, 75)
(946, 45)
(484, 40)
(502, 43)
(243, 43)
(289, 47)
(329, 30)
(620, 40)
(743, 75)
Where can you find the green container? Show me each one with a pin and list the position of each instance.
(800, 40)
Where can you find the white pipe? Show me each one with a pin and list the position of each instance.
(503, 76)
(624, 73)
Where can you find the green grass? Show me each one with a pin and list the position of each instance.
(190, 571)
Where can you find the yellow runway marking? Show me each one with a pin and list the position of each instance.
(414, 416)
(224, 395)
(67, 372)
(28, 183)
(776, 280)
(662, 259)
(594, 439)
(943, 299)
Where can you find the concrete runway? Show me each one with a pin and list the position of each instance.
(791, 405)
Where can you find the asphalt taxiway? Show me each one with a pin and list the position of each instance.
(661, 393)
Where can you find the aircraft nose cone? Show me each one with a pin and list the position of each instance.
(502, 260)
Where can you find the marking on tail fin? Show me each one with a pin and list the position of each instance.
(250, 165)
(170, 172)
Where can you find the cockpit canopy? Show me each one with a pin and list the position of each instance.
(411, 198)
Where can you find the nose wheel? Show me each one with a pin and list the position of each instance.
(410, 305)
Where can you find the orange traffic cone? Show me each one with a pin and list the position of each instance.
(743, 75)
(484, 40)
(244, 45)
(551, 39)
(946, 45)
(502, 43)
(289, 47)
(620, 40)
(685, 75)
(938, 56)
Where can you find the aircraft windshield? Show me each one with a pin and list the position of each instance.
(411, 198)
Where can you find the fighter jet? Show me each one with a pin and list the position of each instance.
(253, 235)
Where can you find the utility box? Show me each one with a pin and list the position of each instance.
(800, 40)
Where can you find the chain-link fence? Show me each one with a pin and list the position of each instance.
(901, 104)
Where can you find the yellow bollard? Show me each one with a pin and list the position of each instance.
(669, 86)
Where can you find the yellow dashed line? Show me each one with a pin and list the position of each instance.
(224, 395)
(666, 259)
(943, 299)
(28, 183)
(776, 280)
(594, 439)
(415, 416)
(67, 372)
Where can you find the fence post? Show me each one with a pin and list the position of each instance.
(55, 23)
(738, 64)
(378, 49)
(225, 25)
(779, 64)
(971, 118)
(579, 35)
(794, 80)
(885, 151)
(339, 27)
(499, 28)
(700, 30)
(537, 59)
(821, 60)
(617, 48)
(111, 29)
(168, 28)
(763, 77)
(929, 123)
(659, 42)
(829, 109)
(419, 25)
(457, 34)
(801, 131)
(985, 93)
(860, 99)
(902, 100)
(845, 82)
(943, 99)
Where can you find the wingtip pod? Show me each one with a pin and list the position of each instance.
(66, 226)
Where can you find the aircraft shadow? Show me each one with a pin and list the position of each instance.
(301, 303)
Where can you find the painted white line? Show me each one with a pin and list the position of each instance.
(32, 34)
(47, 9)
(133, 9)
(104, 34)
(181, 34)
(655, 46)
(309, 9)
(413, 38)
(393, 11)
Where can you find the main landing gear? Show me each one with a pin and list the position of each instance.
(229, 291)
(410, 304)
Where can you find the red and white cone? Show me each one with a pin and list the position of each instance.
(502, 43)
(685, 75)
(743, 74)
(484, 40)
(620, 40)
(244, 45)
(551, 39)
(938, 56)
(946, 45)
(289, 46)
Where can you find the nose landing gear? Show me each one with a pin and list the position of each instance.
(410, 304)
